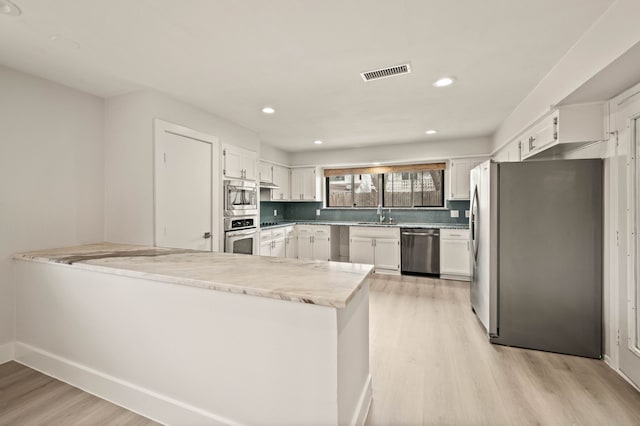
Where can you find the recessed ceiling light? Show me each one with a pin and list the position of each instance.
(9, 8)
(431, 132)
(267, 109)
(376, 164)
(444, 82)
(318, 142)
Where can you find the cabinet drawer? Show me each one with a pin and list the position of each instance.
(454, 234)
(374, 232)
(277, 233)
(265, 235)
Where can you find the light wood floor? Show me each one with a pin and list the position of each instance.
(28, 397)
(432, 365)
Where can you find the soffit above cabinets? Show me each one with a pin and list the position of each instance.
(305, 59)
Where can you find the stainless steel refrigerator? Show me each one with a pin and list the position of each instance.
(536, 233)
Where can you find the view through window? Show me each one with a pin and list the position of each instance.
(416, 187)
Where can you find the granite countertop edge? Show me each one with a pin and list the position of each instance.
(351, 276)
(382, 225)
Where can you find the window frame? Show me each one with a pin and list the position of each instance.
(381, 182)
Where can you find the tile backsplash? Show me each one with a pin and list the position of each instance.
(307, 211)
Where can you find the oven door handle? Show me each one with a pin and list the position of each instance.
(243, 232)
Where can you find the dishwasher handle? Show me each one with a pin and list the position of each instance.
(423, 234)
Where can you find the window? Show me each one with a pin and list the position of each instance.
(392, 186)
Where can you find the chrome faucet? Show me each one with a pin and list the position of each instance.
(380, 214)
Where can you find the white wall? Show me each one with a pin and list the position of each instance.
(275, 155)
(51, 173)
(129, 157)
(424, 151)
(615, 32)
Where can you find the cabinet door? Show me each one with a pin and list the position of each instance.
(249, 164)
(233, 167)
(513, 151)
(278, 248)
(454, 257)
(265, 173)
(303, 184)
(387, 253)
(280, 178)
(361, 250)
(459, 182)
(304, 247)
(290, 247)
(321, 248)
(265, 248)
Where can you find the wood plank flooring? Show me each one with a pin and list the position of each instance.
(432, 365)
(28, 397)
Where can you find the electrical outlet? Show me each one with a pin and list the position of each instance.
(317, 212)
(275, 212)
(466, 213)
(454, 213)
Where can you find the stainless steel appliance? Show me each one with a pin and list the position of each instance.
(241, 234)
(240, 198)
(536, 231)
(420, 250)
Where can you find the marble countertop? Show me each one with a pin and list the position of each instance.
(304, 281)
(386, 225)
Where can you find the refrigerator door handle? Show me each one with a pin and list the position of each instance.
(474, 225)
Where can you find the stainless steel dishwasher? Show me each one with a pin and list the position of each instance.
(420, 249)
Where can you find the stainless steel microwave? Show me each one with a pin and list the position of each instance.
(240, 198)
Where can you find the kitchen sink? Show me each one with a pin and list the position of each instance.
(372, 223)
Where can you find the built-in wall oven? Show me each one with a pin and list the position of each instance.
(240, 198)
(241, 234)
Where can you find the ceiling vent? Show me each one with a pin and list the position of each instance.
(386, 72)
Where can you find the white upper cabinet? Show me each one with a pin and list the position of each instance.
(459, 177)
(305, 184)
(238, 163)
(509, 153)
(265, 172)
(564, 129)
(281, 177)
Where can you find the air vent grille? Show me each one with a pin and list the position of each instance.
(386, 72)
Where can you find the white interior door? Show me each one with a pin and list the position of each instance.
(629, 317)
(183, 178)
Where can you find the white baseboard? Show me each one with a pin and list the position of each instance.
(6, 352)
(145, 402)
(364, 403)
(455, 277)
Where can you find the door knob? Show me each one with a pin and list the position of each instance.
(206, 235)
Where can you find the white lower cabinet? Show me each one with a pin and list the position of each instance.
(376, 246)
(314, 242)
(272, 243)
(290, 242)
(455, 254)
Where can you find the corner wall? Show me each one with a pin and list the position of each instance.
(51, 174)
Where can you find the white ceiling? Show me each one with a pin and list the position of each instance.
(304, 57)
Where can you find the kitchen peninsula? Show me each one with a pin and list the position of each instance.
(188, 337)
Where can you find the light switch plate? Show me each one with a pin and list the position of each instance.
(454, 213)
(466, 213)
(317, 212)
(275, 212)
